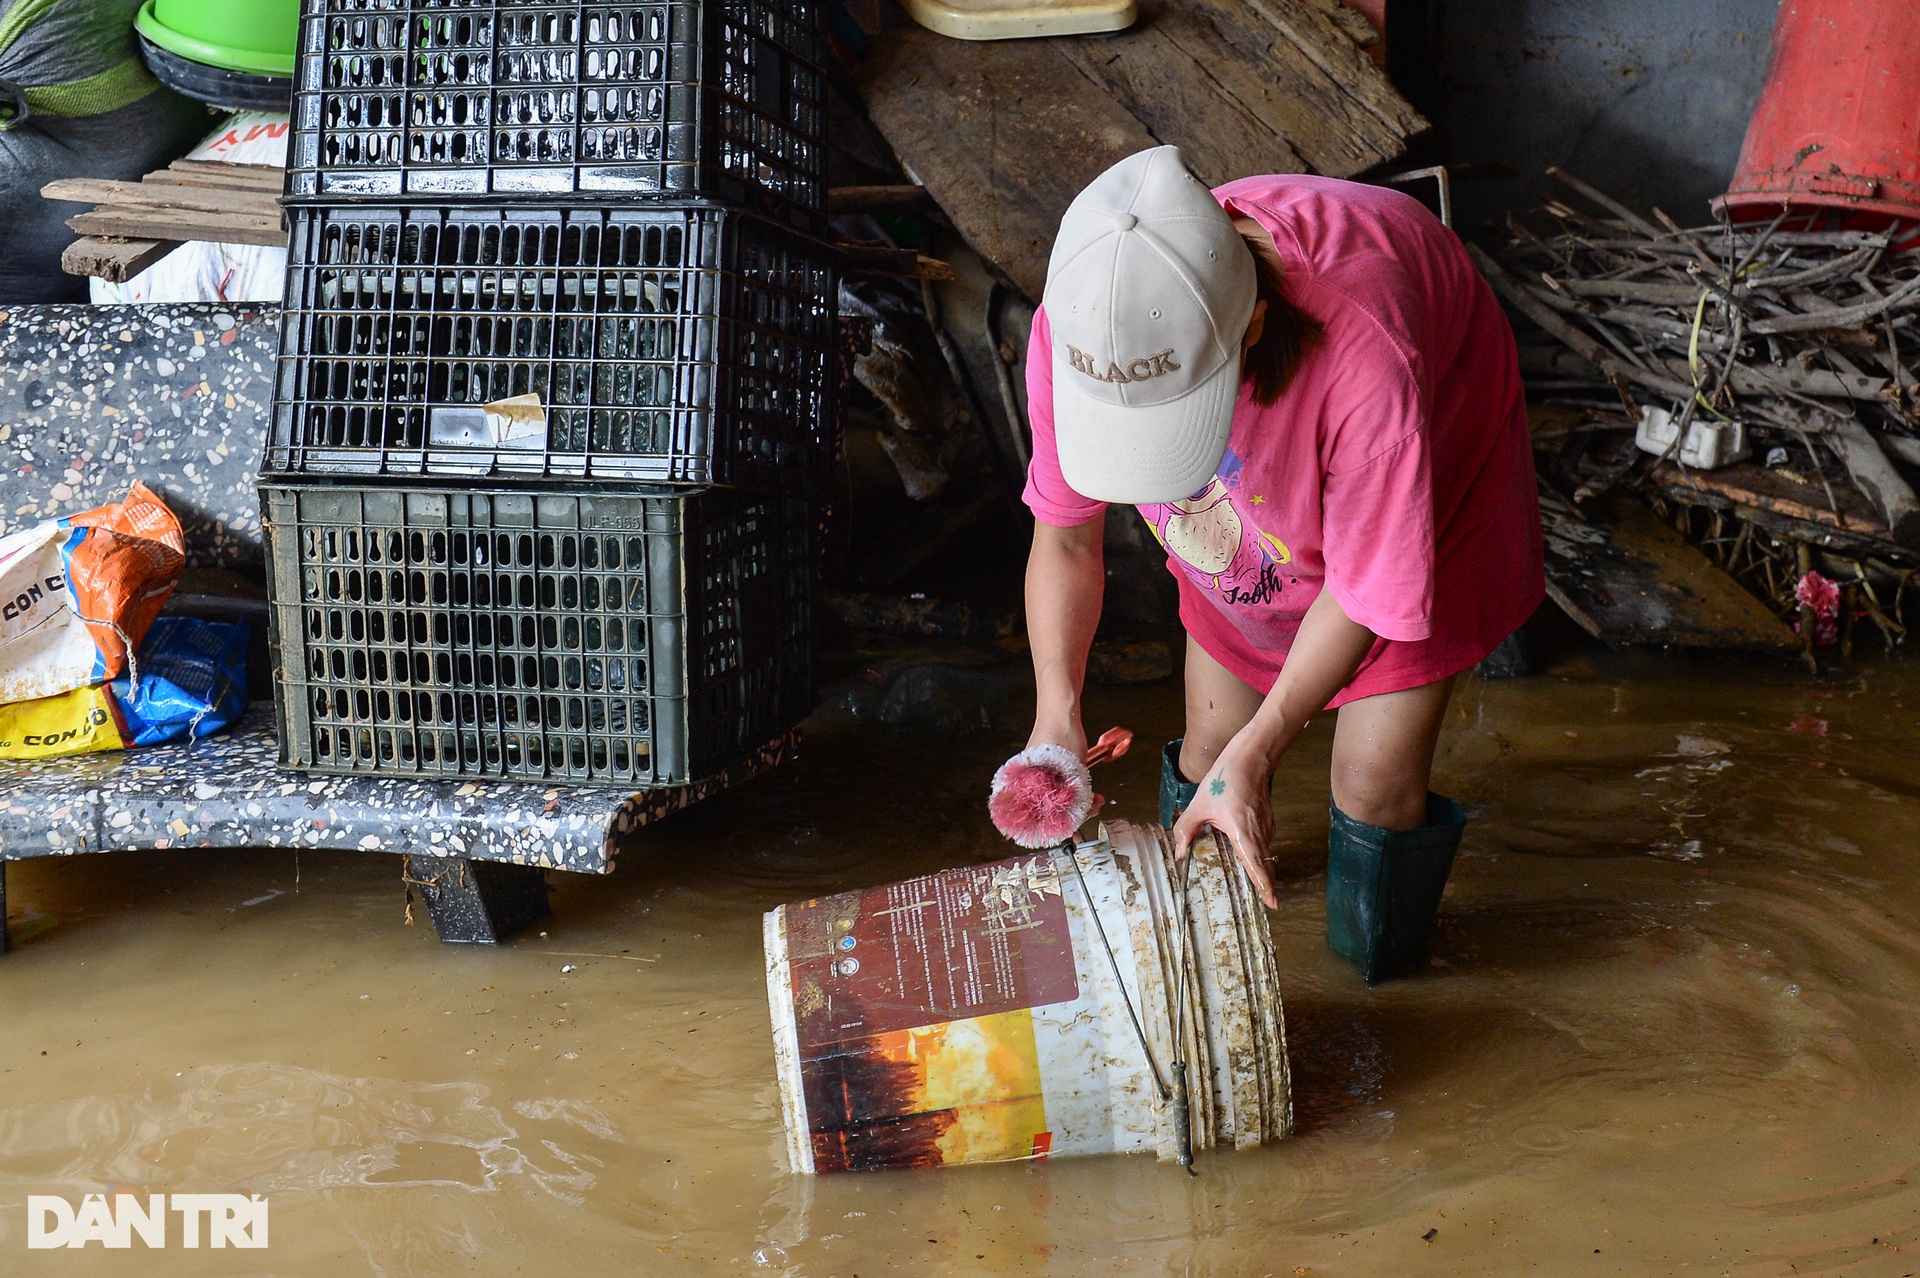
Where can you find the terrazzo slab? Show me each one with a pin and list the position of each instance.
(179, 396)
(226, 792)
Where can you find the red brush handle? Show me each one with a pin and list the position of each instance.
(1113, 743)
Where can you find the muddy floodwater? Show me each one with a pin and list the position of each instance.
(1672, 1025)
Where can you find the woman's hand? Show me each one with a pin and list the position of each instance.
(1236, 795)
(1236, 800)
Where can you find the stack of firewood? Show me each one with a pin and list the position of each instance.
(135, 224)
(1802, 332)
(1804, 336)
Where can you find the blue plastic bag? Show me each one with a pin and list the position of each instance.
(192, 681)
(188, 679)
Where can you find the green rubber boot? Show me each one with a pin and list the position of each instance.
(1176, 792)
(1384, 886)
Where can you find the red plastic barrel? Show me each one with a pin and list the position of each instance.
(1838, 121)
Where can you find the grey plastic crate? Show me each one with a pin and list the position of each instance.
(586, 637)
(449, 100)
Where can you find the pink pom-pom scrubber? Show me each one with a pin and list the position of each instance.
(1044, 794)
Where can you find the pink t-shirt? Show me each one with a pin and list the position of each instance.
(1395, 470)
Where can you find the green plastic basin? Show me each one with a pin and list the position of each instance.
(257, 37)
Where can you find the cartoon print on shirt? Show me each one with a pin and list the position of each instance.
(1204, 531)
(1210, 535)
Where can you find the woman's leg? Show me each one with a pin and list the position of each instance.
(1383, 754)
(1390, 846)
(1219, 704)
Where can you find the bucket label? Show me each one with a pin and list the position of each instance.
(912, 1004)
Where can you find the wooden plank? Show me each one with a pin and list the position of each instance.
(1787, 528)
(114, 260)
(1322, 42)
(237, 175)
(1005, 134)
(1875, 475)
(138, 223)
(268, 215)
(1752, 485)
(158, 224)
(1308, 82)
(167, 177)
(1628, 579)
(873, 199)
(1150, 70)
(265, 175)
(970, 121)
(1352, 23)
(880, 259)
(139, 195)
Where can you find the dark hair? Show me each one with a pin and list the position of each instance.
(1286, 337)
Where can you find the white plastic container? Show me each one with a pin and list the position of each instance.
(977, 1016)
(1710, 444)
(1021, 19)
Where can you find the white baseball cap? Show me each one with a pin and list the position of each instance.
(1149, 293)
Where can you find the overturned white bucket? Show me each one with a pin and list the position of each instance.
(975, 1015)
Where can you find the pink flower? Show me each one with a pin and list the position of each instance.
(1822, 597)
(1819, 594)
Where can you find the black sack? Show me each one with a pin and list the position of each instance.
(100, 114)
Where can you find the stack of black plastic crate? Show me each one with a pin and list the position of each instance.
(555, 399)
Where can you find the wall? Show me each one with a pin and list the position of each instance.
(1646, 99)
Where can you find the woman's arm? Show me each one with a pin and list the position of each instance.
(1066, 577)
(1235, 797)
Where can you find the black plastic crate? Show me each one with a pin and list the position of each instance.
(447, 99)
(660, 344)
(586, 637)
